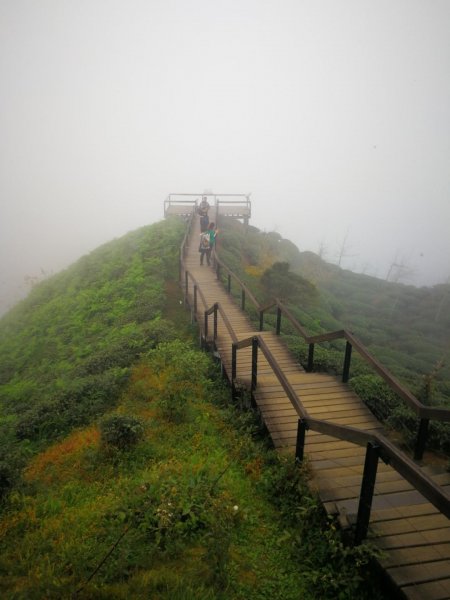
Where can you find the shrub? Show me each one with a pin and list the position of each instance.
(331, 569)
(174, 403)
(7, 478)
(73, 406)
(121, 431)
(376, 394)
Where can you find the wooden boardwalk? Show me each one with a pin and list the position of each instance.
(413, 533)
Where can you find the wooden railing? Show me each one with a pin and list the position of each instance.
(424, 413)
(377, 445)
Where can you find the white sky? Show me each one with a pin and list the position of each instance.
(334, 114)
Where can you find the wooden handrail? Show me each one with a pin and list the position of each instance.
(248, 292)
(422, 411)
(380, 445)
(425, 413)
(388, 452)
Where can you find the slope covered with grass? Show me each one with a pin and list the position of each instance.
(195, 506)
(125, 471)
(65, 350)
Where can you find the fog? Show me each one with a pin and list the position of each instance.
(334, 114)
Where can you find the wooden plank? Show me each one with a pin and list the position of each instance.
(409, 525)
(351, 416)
(436, 590)
(416, 538)
(416, 554)
(403, 512)
(420, 572)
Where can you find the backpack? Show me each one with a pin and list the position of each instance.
(204, 241)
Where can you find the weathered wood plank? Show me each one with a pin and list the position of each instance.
(436, 590)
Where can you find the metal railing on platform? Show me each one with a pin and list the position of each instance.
(236, 205)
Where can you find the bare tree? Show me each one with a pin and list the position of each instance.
(399, 271)
(343, 250)
(322, 251)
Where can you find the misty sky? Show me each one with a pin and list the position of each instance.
(334, 114)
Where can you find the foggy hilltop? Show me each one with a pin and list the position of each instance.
(334, 118)
(334, 115)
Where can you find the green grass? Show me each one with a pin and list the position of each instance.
(200, 507)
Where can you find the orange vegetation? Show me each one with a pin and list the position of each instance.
(60, 454)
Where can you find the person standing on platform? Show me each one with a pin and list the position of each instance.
(203, 213)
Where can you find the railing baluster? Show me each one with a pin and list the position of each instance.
(206, 325)
(300, 445)
(195, 304)
(367, 489)
(347, 360)
(216, 306)
(233, 370)
(261, 320)
(310, 358)
(254, 363)
(243, 299)
(278, 330)
(422, 435)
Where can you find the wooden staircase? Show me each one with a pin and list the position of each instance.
(412, 532)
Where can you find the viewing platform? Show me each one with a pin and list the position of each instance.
(223, 205)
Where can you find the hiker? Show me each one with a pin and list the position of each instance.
(205, 247)
(212, 231)
(203, 208)
(203, 213)
(207, 243)
(204, 223)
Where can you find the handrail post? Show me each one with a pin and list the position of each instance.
(243, 299)
(229, 284)
(278, 330)
(194, 316)
(261, 320)
(422, 435)
(206, 325)
(186, 286)
(216, 306)
(347, 359)
(254, 363)
(310, 358)
(300, 445)
(366, 494)
(233, 370)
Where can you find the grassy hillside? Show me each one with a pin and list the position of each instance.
(65, 351)
(124, 471)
